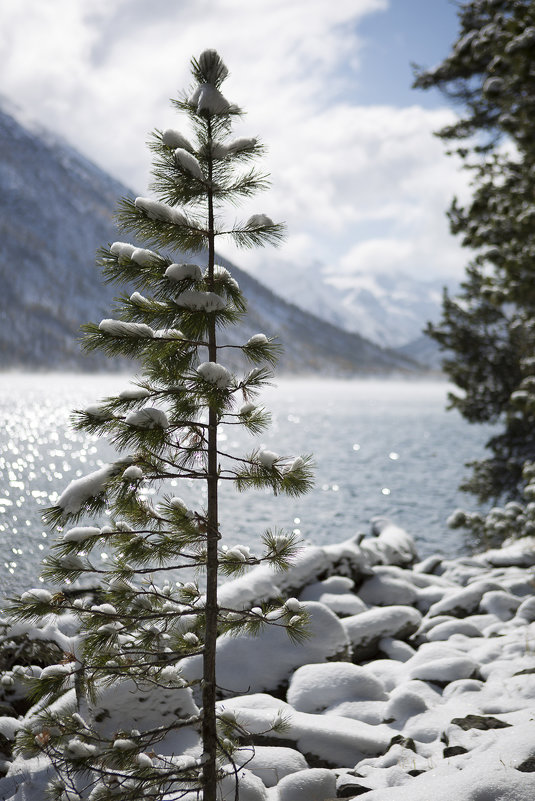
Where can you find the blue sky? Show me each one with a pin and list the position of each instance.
(356, 172)
(410, 31)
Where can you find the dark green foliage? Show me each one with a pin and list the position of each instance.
(488, 330)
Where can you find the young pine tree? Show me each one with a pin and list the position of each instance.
(165, 428)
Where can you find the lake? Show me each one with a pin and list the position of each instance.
(382, 447)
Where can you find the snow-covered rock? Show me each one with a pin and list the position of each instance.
(267, 661)
(315, 784)
(271, 763)
(366, 629)
(443, 710)
(315, 687)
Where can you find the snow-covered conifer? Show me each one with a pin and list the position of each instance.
(166, 427)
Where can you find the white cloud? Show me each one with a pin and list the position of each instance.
(349, 181)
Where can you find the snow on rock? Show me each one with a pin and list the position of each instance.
(395, 649)
(405, 702)
(270, 762)
(387, 591)
(183, 272)
(214, 373)
(336, 592)
(449, 628)
(326, 739)
(497, 769)
(520, 553)
(315, 687)
(526, 610)
(500, 603)
(82, 489)
(314, 784)
(26, 779)
(366, 629)
(443, 711)
(251, 788)
(462, 602)
(445, 669)
(149, 418)
(120, 328)
(396, 546)
(268, 660)
(9, 727)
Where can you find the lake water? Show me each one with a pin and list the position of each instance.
(382, 447)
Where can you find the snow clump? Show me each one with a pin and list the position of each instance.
(82, 489)
(257, 339)
(268, 458)
(120, 328)
(133, 473)
(81, 533)
(259, 221)
(36, 594)
(77, 749)
(201, 301)
(189, 163)
(172, 138)
(134, 393)
(181, 272)
(206, 98)
(241, 143)
(148, 417)
(123, 250)
(144, 257)
(215, 373)
(156, 210)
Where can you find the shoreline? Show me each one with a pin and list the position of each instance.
(418, 679)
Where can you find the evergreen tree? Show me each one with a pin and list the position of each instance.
(166, 428)
(488, 329)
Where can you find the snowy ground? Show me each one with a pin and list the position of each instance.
(418, 680)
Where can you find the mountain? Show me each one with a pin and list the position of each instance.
(56, 209)
(424, 350)
(390, 309)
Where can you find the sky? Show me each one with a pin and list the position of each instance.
(357, 175)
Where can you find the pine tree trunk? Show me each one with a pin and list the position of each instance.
(209, 734)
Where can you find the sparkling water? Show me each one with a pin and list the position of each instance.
(381, 447)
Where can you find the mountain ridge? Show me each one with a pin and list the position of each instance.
(56, 209)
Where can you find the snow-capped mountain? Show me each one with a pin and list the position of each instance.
(56, 209)
(390, 309)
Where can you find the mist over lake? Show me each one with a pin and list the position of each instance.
(381, 447)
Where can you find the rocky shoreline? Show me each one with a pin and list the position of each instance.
(417, 680)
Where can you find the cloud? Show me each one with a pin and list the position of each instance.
(345, 178)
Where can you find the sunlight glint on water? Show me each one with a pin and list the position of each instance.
(381, 448)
